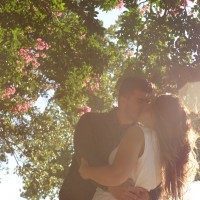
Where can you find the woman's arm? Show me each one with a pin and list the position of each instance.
(131, 147)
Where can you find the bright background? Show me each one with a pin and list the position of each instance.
(10, 184)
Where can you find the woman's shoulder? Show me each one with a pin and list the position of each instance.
(134, 137)
(145, 129)
(135, 132)
(137, 128)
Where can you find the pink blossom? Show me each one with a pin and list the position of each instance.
(129, 53)
(91, 84)
(11, 90)
(5, 96)
(26, 54)
(41, 45)
(8, 93)
(29, 56)
(82, 36)
(39, 39)
(58, 14)
(25, 107)
(43, 55)
(88, 80)
(18, 108)
(21, 108)
(144, 9)
(23, 52)
(36, 64)
(84, 109)
(48, 46)
(27, 59)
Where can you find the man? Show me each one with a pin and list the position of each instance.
(97, 134)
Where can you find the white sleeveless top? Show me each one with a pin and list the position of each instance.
(148, 172)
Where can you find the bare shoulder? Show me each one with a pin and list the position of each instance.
(135, 130)
(134, 133)
(134, 138)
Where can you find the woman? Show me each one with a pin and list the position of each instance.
(151, 157)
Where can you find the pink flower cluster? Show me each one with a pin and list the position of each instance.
(84, 109)
(41, 45)
(180, 8)
(21, 108)
(8, 93)
(30, 56)
(129, 53)
(120, 5)
(144, 9)
(86, 82)
(91, 84)
(26, 54)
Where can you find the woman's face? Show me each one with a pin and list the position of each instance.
(147, 116)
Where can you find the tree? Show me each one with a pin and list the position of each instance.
(61, 46)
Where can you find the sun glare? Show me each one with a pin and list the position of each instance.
(190, 95)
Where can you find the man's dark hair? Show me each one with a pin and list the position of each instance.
(129, 84)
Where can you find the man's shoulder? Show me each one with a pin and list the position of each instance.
(93, 116)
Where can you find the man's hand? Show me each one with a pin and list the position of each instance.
(128, 191)
(124, 191)
(141, 193)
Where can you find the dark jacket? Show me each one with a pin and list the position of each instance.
(96, 135)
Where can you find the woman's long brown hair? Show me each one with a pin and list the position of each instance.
(177, 141)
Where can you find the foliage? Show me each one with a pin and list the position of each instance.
(164, 37)
(62, 46)
(47, 150)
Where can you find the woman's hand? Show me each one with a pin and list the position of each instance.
(83, 169)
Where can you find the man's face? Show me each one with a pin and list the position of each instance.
(134, 103)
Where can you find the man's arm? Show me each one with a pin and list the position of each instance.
(124, 162)
(83, 140)
(126, 191)
(84, 147)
